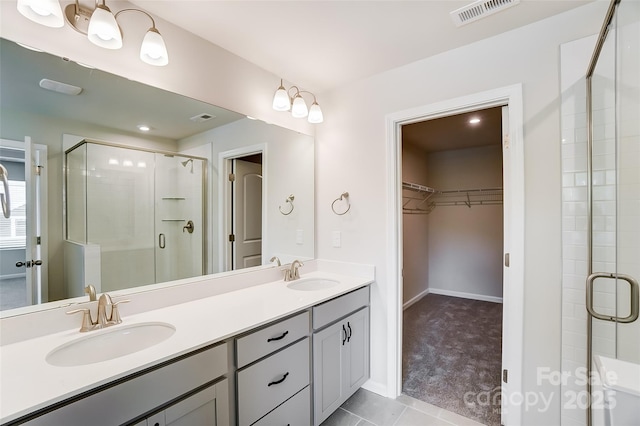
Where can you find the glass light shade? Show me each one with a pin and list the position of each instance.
(281, 101)
(315, 114)
(299, 107)
(103, 29)
(43, 12)
(153, 50)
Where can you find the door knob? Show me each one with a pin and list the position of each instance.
(189, 227)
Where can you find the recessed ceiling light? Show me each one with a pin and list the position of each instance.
(474, 121)
(143, 127)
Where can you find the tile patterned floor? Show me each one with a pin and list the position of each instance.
(366, 408)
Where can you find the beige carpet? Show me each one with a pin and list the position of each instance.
(452, 355)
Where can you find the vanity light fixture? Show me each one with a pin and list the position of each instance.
(43, 12)
(284, 101)
(100, 25)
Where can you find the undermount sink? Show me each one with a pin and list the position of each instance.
(312, 284)
(109, 343)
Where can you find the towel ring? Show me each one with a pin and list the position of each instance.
(289, 200)
(343, 196)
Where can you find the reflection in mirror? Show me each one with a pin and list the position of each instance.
(133, 217)
(108, 110)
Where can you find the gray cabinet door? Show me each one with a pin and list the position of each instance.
(341, 362)
(328, 369)
(208, 407)
(356, 352)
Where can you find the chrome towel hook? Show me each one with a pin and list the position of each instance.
(289, 200)
(343, 196)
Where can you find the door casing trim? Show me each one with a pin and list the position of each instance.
(513, 320)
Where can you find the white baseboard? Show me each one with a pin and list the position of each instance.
(415, 299)
(463, 295)
(376, 387)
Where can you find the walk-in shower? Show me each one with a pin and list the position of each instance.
(613, 117)
(133, 217)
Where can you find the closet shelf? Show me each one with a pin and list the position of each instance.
(420, 199)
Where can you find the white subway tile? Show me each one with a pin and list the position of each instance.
(581, 179)
(598, 178)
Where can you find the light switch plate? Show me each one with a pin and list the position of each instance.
(336, 239)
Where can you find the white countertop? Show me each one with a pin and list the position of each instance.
(29, 383)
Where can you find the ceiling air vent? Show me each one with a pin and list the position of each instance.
(479, 9)
(202, 117)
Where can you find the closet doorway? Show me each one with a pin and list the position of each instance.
(453, 222)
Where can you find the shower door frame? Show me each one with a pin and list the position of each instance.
(591, 275)
(71, 142)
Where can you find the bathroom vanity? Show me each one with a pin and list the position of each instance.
(275, 352)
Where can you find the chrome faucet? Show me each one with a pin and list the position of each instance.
(292, 272)
(276, 259)
(104, 303)
(91, 291)
(103, 320)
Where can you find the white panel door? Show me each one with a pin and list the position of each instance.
(247, 214)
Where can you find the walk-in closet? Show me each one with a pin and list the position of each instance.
(452, 191)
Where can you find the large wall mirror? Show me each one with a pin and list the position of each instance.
(204, 191)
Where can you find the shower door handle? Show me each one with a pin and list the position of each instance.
(634, 303)
(161, 241)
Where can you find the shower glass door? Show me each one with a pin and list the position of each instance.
(615, 180)
(179, 219)
(615, 196)
(627, 32)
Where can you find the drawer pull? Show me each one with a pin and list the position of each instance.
(279, 337)
(349, 337)
(344, 334)
(277, 382)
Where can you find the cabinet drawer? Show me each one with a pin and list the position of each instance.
(268, 383)
(262, 342)
(131, 398)
(295, 412)
(339, 307)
